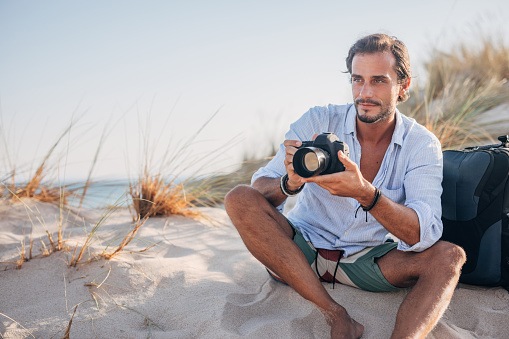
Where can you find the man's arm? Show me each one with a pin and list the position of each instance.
(269, 188)
(399, 220)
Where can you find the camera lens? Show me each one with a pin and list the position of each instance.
(310, 161)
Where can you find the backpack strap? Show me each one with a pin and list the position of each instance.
(504, 142)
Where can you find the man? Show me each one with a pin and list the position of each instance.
(339, 226)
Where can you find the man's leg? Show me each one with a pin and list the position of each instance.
(434, 274)
(268, 236)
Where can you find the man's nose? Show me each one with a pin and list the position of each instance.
(366, 91)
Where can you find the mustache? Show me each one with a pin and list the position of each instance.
(367, 101)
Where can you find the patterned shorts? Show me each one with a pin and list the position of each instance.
(358, 270)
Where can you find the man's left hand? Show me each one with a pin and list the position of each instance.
(349, 183)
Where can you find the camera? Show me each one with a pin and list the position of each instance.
(320, 156)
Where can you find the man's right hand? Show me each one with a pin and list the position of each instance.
(294, 180)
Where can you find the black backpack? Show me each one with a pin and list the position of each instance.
(475, 210)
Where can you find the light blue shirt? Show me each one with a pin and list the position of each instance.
(410, 174)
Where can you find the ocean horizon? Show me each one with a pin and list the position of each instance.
(103, 193)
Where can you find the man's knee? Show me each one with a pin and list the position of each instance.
(241, 199)
(237, 197)
(447, 256)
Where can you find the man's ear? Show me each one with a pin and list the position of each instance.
(405, 86)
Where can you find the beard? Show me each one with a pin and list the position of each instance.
(386, 111)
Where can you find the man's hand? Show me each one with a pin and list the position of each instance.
(349, 183)
(269, 187)
(294, 180)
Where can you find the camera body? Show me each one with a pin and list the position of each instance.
(319, 156)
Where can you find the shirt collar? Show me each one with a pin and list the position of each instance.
(399, 131)
(351, 120)
(351, 115)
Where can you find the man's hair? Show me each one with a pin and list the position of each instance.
(379, 43)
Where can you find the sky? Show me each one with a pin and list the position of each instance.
(151, 73)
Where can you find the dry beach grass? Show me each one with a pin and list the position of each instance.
(462, 86)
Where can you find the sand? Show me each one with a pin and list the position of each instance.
(199, 281)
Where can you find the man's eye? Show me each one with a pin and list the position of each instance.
(356, 80)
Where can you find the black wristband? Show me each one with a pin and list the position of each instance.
(378, 194)
(284, 188)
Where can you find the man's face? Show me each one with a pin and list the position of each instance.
(375, 86)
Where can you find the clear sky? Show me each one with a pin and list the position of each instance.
(127, 64)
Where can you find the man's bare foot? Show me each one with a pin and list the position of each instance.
(344, 327)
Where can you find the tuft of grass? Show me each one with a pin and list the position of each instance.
(461, 86)
(40, 187)
(152, 196)
(37, 187)
(160, 189)
(41, 184)
(46, 248)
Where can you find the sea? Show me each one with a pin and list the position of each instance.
(100, 194)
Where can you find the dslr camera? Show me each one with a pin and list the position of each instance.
(320, 156)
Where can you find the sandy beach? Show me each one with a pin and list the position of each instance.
(198, 281)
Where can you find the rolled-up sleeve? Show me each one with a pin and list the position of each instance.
(423, 190)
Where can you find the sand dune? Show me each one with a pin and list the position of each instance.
(198, 282)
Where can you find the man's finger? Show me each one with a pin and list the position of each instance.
(349, 164)
(294, 143)
(319, 179)
(288, 158)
